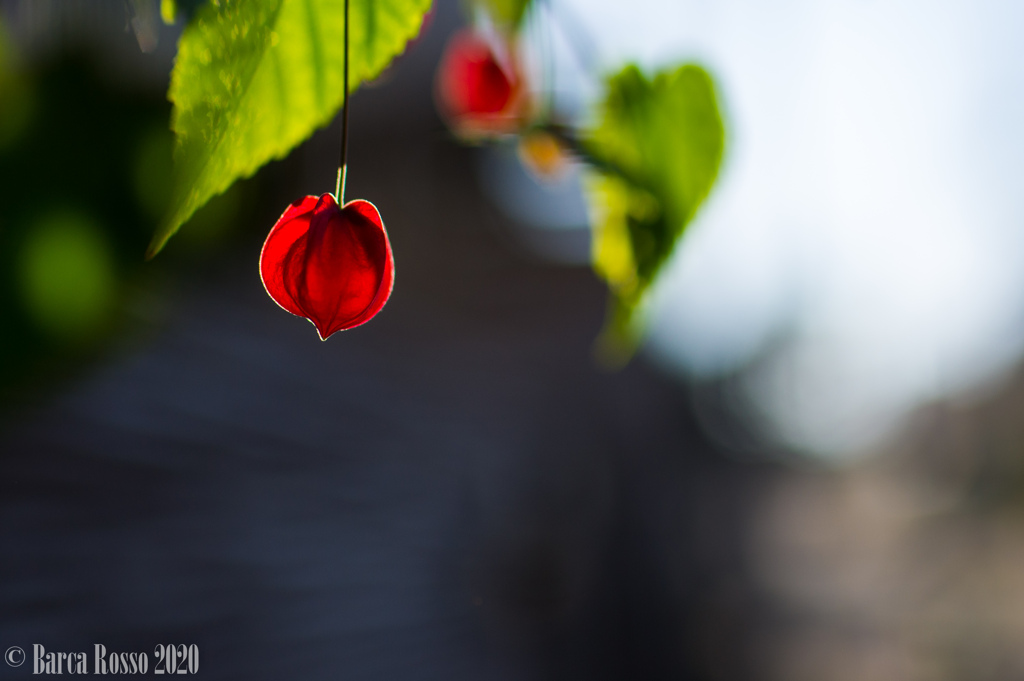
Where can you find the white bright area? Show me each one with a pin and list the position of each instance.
(867, 226)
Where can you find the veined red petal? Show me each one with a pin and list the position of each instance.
(331, 265)
(387, 282)
(289, 228)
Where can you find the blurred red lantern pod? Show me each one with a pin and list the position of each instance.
(332, 265)
(478, 92)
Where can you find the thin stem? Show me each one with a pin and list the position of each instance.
(339, 189)
(570, 141)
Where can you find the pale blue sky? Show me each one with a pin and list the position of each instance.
(869, 208)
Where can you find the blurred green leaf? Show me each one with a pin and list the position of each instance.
(153, 171)
(254, 79)
(16, 97)
(168, 11)
(506, 12)
(97, 125)
(67, 278)
(659, 143)
(172, 10)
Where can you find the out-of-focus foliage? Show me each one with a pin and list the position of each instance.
(509, 13)
(66, 275)
(152, 171)
(659, 143)
(85, 180)
(252, 80)
(15, 95)
(172, 10)
(71, 229)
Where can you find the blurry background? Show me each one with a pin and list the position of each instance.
(813, 471)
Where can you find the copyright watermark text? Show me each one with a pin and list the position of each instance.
(166, 659)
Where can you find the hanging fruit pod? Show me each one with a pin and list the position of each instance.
(480, 89)
(330, 264)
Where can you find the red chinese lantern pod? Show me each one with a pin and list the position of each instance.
(478, 92)
(331, 265)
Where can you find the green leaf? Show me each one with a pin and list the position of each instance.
(506, 12)
(659, 143)
(169, 11)
(172, 10)
(254, 78)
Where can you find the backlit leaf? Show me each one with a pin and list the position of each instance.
(169, 11)
(254, 78)
(660, 141)
(172, 10)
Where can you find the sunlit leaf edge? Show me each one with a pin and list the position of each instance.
(190, 192)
